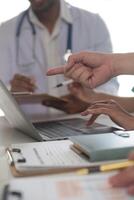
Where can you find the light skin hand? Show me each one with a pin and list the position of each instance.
(89, 96)
(113, 110)
(87, 68)
(125, 178)
(83, 93)
(21, 83)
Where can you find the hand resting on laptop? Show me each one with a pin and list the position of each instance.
(71, 106)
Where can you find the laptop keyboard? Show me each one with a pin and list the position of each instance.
(57, 131)
(69, 127)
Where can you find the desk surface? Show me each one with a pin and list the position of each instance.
(9, 136)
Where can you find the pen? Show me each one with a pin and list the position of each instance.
(105, 167)
(64, 83)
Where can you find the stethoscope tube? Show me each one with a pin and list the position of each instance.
(69, 38)
(19, 27)
(33, 30)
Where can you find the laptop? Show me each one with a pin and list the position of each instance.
(45, 130)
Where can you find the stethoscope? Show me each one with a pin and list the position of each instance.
(33, 31)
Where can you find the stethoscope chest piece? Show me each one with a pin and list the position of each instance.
(67, 54)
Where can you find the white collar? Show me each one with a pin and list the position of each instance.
(65, 13)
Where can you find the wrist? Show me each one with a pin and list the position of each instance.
(122, 63)
(96, 96)
(130, 123)
(109, 60)
(115, 61)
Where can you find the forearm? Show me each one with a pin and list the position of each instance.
(126, 102)
(123, 63)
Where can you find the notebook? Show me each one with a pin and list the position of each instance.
(71, 187)
(102, 147)
(54, 130)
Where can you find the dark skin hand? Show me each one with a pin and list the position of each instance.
(21, 83)
(71, 106)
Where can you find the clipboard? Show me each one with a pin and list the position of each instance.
(68, 103)
(18, 160)
(64, 187)
(25, 98)
(22, 155)
(14, 194)
(36, 172)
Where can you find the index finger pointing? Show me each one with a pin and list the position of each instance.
(56, 70)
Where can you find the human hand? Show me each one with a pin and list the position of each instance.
(90, 69)
(67, 103)
(113, 110)
(21, 83)
(125, 178)
(83, 93)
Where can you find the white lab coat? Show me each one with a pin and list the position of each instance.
(89, 33)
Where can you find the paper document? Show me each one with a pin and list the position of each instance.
(90, 187)
(45, 156)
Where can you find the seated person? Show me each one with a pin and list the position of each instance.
(31, 48)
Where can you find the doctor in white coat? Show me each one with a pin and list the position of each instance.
(39, 38)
